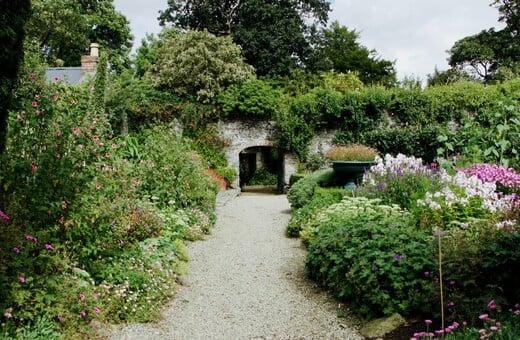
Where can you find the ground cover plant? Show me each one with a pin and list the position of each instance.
(379, 249)
(93, 224)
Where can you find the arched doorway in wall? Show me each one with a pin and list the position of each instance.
(261, 166)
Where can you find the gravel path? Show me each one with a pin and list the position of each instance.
(247, 281)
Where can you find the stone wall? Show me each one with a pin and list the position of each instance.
(242, 135)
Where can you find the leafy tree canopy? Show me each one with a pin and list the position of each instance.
(198, 63)
(491, 55)
(337, 48)
(273, 34)
(510, 14)
(64, 30)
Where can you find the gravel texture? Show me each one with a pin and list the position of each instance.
(247, 281)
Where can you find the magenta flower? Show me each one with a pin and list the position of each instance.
(21, 279)
(83, 314)
(49, 246)
(428, 322)
(96, 310)
(82, 296)
(483, 317)
(16, 250)
(452, 282)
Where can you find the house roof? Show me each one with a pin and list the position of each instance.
(70, 75)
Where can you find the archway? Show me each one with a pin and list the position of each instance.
(261, 166)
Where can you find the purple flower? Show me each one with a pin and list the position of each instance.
(426, 273)
(21, 279)
(452, 282)
(49, 246)
(16, 250)
(451, 304)
(83, 314)
(397, 257)
(3, 217)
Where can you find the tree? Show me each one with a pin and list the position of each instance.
(273, 34)
(337, 48)
(13, 16)
(197, 63)
(484, 53)
(64, 30)
(491, 55)
(510, 14)
(450, 76)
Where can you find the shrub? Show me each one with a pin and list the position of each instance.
(252, 99)
(322, 198)
(420, 142)
(301, 192)
(369, 255)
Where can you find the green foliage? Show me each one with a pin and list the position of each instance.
(337, 49)
(272, 35)
(133, 103)
(489, 138)
(199, 64)
(96, 223)
(13, 17)
(418, 141)
(65, 28)
(369, 255)
(322, 198)
(252, 99)
(302, 191)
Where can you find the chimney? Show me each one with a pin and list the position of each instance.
(89, 62)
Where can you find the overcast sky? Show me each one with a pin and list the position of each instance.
(413, 33)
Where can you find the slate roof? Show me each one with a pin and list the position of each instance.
(71, 75)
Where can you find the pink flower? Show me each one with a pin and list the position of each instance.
(58, 133)
(16, 250)
(96, 310)
(494, 328)
(451, 304)
(82, 296)
(59, 317)
(56, 79)
(34, 104)
(492, 304)
(428, 322)
(83, 314)
(483, 317)
(107, 154)
(452, 282)
(37, 112)
(426, 273)
(49, 246)
(95, 138)
(21, 279)
(31, 75)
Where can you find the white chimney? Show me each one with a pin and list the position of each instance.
(94, 50)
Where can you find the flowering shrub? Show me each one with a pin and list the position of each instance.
(399, 180)
(78, 208)
(370, 255)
